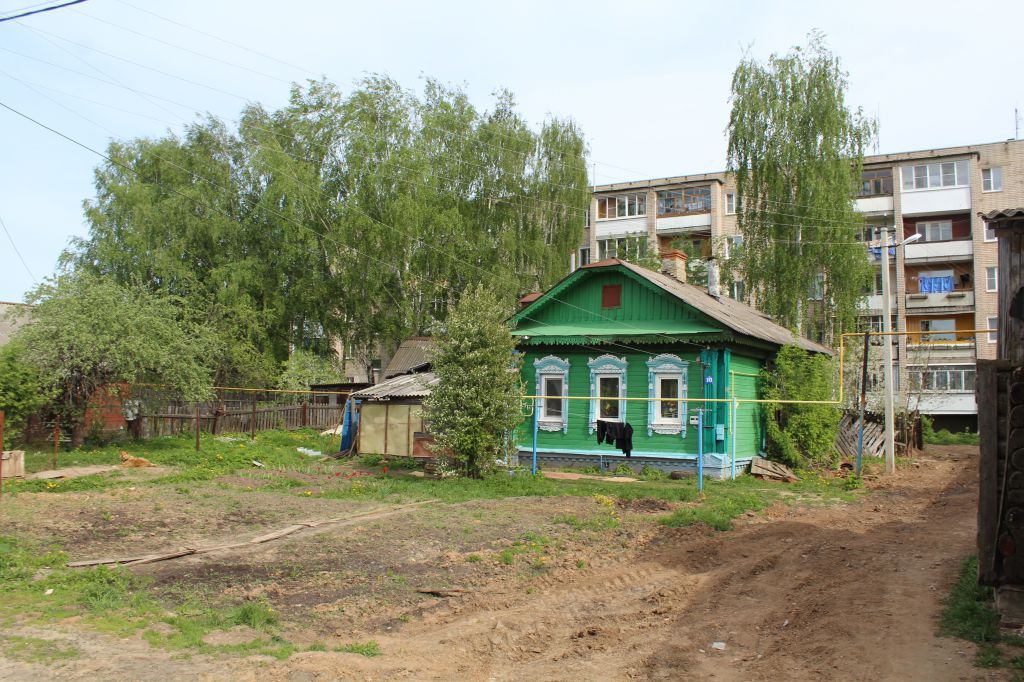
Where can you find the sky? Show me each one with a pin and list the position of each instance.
(648, 82)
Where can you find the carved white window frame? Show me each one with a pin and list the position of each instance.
(666, 366)
(606, 366)
(550, 366)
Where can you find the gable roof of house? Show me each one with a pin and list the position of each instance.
(736, 316)
(410, 356)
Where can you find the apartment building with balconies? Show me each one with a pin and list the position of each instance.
(944, 283)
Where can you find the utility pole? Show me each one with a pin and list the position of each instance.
(890, 425)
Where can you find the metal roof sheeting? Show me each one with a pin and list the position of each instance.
(739, 317)
(1003, 214)
(404, 386)
(411, 355)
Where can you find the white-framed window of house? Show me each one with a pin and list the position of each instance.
(992, 323)
(944, 330)
(935, 175)
(992, 179)
(937, 231)
(992, 278)
(622, 206)
(666, 386)
(730, 203)
(607, 389)
(942, 378)
(552, 377)
(626, 248)
(816, 291)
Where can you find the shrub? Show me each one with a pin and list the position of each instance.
(801, 435)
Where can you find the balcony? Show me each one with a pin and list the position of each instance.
(944, 403)
(953, 301)
(874, 302)
(677, 224)
(952, 250)
(880, 204)
(941, 200)
(620, 227)
(942, 351)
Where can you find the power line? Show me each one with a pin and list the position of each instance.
(40, 11)
(15, 247)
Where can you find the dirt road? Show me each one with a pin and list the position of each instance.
(845, 592)
(848, 593)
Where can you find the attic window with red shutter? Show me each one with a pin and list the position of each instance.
(611, 296)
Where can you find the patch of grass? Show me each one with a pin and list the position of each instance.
(371, 460)
(507, 556)
(968, 611)
(117, 601)
(597, 522)
(725, 500)
(35, 650)
(368, 649)
(474, 559)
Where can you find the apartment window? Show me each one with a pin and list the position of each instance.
(992, 179)
(938, 231)
(816, 291)
(626, 248)
(739, 291)
(871, 233)
(942, 378)
(733, 245)
(586, 218)
(584, 258)
(941, 330)
(876, 183)
(730, 204)
(935, 175)
(670, 202)
(622, 206)
(993, 324)
(990, 233)
(991, 278)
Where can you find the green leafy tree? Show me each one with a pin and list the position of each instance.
(85, 335)
(800, 435)
(796, 150)
(304, 368)
(476, 405)
(22, 392)
(359, 217)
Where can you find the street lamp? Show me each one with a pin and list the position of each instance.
(890, 418)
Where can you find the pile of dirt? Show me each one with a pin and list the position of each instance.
(644, 505)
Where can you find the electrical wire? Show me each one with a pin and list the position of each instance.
(15, 247)
(40, 11)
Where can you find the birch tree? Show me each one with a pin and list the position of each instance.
(796, 149)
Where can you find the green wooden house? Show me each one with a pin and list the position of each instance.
(621, 343)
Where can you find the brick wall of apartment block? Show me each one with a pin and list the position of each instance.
(1010, 157)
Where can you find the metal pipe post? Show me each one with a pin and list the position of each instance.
(700, 450)
(197, 429)
(536, 417)
(863, 399)
(890, 427)
(56, 440)
(735, 405)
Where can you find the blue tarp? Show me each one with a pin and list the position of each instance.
(935, 285)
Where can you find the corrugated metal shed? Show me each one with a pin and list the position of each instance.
(410, 356)
(417, 385)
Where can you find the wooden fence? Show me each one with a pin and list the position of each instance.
(172, 420)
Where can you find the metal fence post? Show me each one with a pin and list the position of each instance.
(252, 424)
(700, 450)
(197, 428)
(56, 440)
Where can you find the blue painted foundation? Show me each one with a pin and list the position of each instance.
(715, 466)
